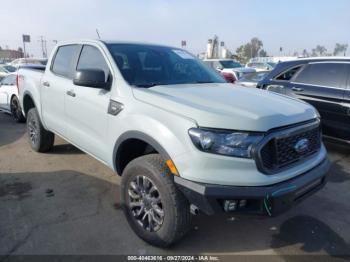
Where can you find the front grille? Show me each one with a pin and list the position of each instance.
(279, 152)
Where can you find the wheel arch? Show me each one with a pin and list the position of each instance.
(139, 137)
(28, 102)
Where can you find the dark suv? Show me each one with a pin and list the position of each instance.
(324, 83)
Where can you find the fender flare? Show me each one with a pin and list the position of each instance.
(140, 136)
(27, 93)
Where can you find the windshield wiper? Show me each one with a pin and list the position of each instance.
(148, 85)
(204, 82)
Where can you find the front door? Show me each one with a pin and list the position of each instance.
(7, 87)
(86, 107)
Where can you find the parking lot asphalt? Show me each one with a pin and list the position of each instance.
(66, 202)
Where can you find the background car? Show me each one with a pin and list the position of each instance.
(5, 70)
(262, 66)
(9, 97)
(25, 61)
(322, 82)
(230, 69)
(220, 64)
(251, 79)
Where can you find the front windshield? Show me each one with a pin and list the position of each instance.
(273, 65)
(149, 65)
(230, 64)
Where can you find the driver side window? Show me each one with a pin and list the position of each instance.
(91, 58)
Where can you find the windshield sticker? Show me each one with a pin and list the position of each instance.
(183, 54)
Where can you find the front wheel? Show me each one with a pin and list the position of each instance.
(16, 110)
(155, 209)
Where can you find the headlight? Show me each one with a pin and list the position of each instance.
(229, 143)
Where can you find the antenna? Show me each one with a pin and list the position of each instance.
(98, 34)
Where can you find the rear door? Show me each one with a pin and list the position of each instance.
(322, 84)
(87, 109)
(55, 84)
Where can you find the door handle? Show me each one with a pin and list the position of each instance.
(297, 89)
(47, 84)
(274, 87)
(71, 93)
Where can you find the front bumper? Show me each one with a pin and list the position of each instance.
(268, 200)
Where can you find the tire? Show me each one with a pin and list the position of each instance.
(39, 138)
(16, 110)
(168, 200)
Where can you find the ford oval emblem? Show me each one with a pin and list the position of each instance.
(302, 145)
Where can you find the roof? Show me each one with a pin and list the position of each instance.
(105, 41)
(219, 59)
(317, 59)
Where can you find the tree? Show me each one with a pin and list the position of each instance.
(319, 51)
(250, 50)
(340, 49)
(305, 53)
(262, 53)
(0, 48)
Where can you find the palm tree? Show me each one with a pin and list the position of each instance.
(340, 48)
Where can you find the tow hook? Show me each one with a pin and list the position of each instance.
(194, 210)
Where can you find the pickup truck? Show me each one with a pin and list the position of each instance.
(181, 138)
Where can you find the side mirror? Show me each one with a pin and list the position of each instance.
(90, 78)
(219, 68)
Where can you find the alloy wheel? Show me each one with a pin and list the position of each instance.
(33, 131)
(145, 203)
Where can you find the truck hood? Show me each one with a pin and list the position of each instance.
(227, 106)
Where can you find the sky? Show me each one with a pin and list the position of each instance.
(292, 24)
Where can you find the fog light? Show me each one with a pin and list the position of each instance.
(230, 205)
(242, 203)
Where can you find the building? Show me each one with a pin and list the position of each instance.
(7, 55)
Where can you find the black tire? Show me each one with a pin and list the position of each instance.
(16, 110)
(176, 218)
(39, 138)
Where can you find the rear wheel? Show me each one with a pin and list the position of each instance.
(16, 110)
(155, 209)
(40, 139)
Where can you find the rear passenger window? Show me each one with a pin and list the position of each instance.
(91, 58)
(62, 64)
(288, 75)
(324, 74)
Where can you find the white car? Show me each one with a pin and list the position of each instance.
(5, 70)
(9, 97)
(182, 139)
(230, 69)
(28, 61)
(261, 66)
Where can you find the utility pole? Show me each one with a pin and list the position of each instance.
(43, 44)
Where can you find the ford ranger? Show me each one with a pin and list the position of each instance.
(182, 139)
